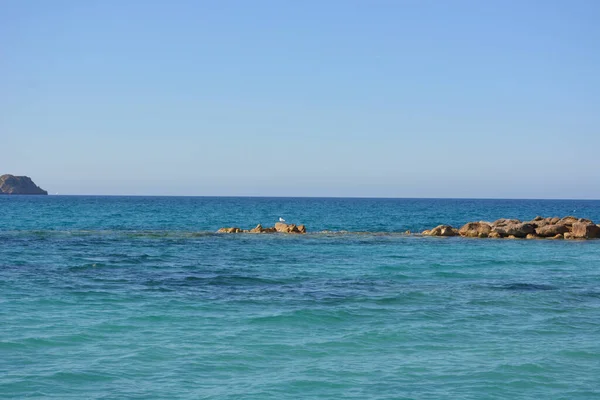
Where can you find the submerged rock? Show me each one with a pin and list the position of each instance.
(10, 184)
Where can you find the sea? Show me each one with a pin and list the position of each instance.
(140, 298)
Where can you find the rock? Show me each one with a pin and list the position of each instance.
(568, 221)
(585, 220)
(520, 230)
(229, 230)
(538, 223)
(568, 235)
(301, 229)
(475, 229)
(257, 229)
(10, 184)
(281, 227)
(500, 231)
(287, 228)
(407, 232)
(531, 236)
(554, 220)
(504, 222)
(494, 235)
(556, 237)
(551, 230)
(426, 232)
(515, 229)
(584, 230)
(442, 230)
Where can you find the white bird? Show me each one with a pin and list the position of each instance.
(281, 219)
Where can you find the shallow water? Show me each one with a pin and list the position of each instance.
(136, 297)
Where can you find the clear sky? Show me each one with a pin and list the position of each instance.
(423, 98)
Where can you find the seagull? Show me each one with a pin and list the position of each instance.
(281, 219)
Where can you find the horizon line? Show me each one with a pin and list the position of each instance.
(322, 197)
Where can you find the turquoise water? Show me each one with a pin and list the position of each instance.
(136, 297)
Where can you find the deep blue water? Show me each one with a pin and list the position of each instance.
(137, 297)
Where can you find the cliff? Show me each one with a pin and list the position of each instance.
(10, 184)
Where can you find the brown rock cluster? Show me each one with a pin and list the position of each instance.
(538, 228)
(279, 227)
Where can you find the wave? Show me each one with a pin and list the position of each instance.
(524, 287)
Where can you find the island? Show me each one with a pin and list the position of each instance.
(11, 184)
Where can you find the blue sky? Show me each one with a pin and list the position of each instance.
(313, 98)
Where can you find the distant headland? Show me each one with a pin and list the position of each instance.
(10, 184)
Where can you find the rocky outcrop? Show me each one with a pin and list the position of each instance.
(10, 184)
(475, 229)
(289, 228)
(230, 230)
(551, 228)
(442, 230)
(538, 228)
(279, 227)
(259, 229)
